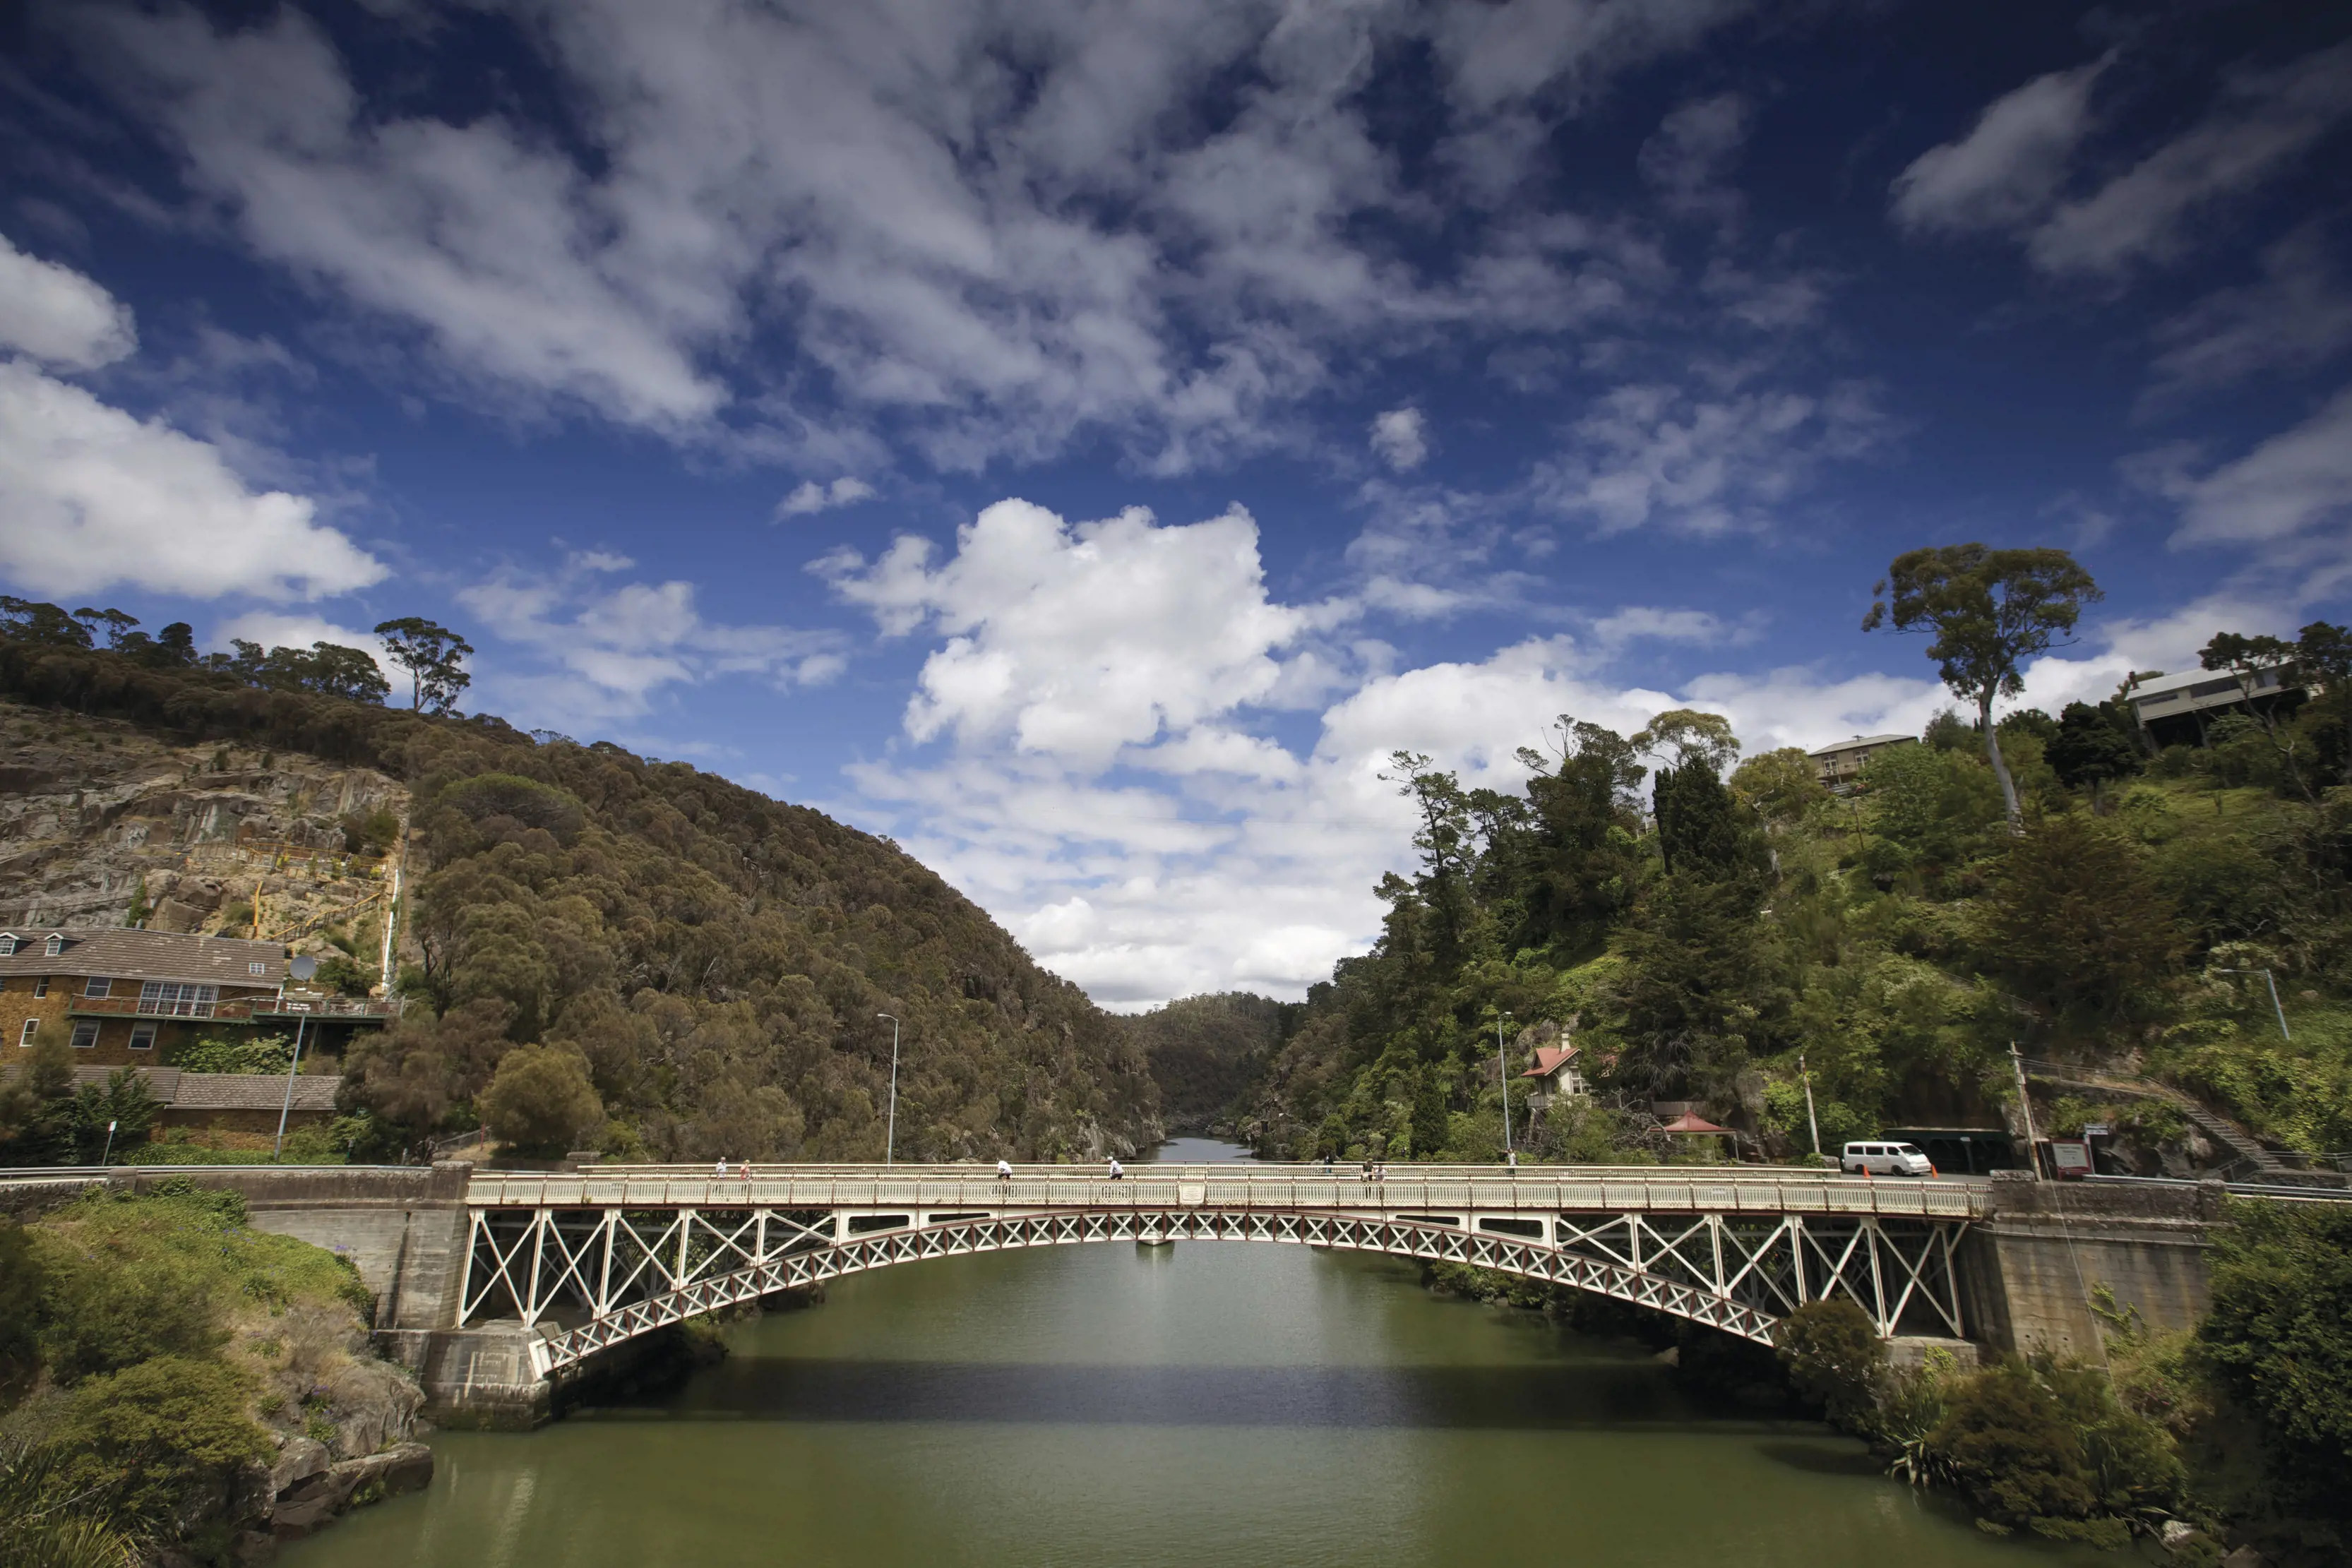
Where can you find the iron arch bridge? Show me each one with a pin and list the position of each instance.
(591, 1258)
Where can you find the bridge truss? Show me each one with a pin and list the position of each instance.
(593, 1275)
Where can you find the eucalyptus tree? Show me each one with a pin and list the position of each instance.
(1990, 611)
(434, 657)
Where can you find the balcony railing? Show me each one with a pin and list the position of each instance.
(243, 1009)
(338, 1009)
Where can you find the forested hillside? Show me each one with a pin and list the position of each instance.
(604, 951)
(1706, 928)
(1207, 1052)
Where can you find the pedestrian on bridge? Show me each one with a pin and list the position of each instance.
(1511, 1161)
(1004, 1170)
(1117, 1173)
(722, 1164)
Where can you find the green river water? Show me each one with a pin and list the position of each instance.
(1207, 1404)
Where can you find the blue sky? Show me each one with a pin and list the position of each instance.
(1081, 441)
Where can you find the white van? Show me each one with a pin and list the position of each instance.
(1884, 1159)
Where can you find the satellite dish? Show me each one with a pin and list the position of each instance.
(302, 968)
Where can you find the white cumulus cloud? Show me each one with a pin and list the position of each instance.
(91, 497)
(1401, 438)
(1077, 641)
(54, 314)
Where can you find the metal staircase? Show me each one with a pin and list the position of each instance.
(2250, 1159)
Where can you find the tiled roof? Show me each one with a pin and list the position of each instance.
(1857, 743)
(144, 956)
(252, 1092)
(226, 1091)
(1550, 1059)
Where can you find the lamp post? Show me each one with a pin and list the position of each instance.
(1810, 1121)
(287, 1108)
(2266, 974)
(1503, 1076)
(890, 1138)
(110, 1142)
(298, 969)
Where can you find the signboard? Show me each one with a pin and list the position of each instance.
(2069, 1157)
(2097, 1130)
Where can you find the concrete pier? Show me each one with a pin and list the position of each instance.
(2031, 1267)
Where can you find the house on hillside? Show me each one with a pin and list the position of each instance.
(2175, 710)
(128, 997)
(1841, 764)
(1556, 1076)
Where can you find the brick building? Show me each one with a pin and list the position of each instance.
(232, 1110)
(125, 998)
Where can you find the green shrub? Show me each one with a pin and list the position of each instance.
(150, 1435)
(2010, 1446)
(1836, 1360)
(2280, 1336)
(48, 1522)
(540, 1100)
(236, 1053)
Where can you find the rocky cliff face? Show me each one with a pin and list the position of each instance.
(97, 817)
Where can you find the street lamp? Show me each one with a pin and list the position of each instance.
(301, 969)
(287, 1108)
(890, 1138)
(1503, 1076)
(1809, 1120)
(2266, 974)
(110, 1142)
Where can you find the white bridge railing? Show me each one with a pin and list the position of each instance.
(1757, 1190)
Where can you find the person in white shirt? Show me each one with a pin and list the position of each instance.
(1116, 1174)
(722, 1167)
(1005, 1170)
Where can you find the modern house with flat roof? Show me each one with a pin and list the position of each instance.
(129, 998)
(2174, 710)
(1841, 764)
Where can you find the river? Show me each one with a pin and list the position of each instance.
(1207, 1404)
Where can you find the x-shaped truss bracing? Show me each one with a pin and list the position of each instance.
(602, 1276)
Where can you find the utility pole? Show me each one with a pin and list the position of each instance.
(1503, 1076)
(890, 1137)
(2266, 974)
(1809, 1120)
(2025, 1108)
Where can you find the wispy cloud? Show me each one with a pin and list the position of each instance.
(810, 498)
(599, 650)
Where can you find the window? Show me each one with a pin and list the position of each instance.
(7, 945)
(41, 986)
(142, 1037)
(56, 945)
(32, 1027)
(256, 969)
(99, 986)
(85, 1034)
(177, 999)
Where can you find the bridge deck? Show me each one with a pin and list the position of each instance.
(1301, 1188)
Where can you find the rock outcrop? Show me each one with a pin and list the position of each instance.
(98, 817)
